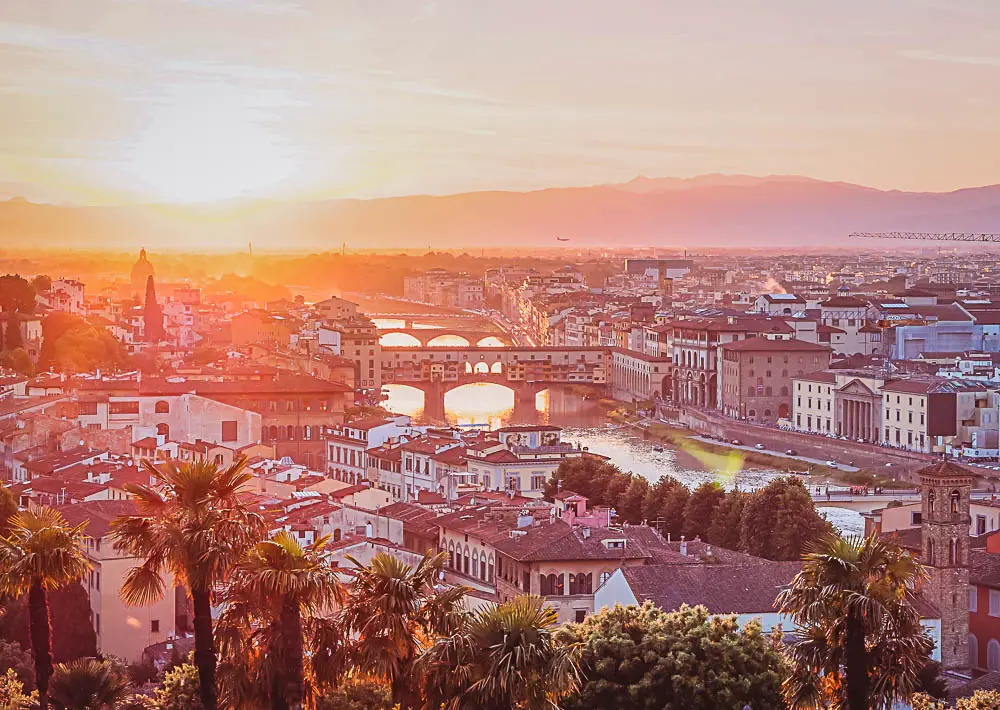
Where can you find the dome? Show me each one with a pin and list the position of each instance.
(141, 271)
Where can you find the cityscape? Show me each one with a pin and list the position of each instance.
(350, 359)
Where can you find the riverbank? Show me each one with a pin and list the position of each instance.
(697, 453)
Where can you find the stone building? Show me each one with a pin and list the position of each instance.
(945, 491)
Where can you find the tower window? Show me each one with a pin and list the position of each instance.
(954, 501)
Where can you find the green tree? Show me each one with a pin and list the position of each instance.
(656, 497)
(780, 521)
(71, 344)
(41, 552)
(860, 638)
(41, 283)
(73, 634)
(87, 684)
(597, 480)
(12, 695)
(356, 694)
(195, 526)
(14, 657)
(19, 361)
(501, 658)
(152, 315)
(13, 339)
(629, 504)
(979, 700)
(634, 658)
(391, 613)
(260, 634)
(16, 295)
(136, 702)
(724, 530)
(181, 689)
(700, 509)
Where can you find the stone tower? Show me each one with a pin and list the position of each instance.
(944, 492)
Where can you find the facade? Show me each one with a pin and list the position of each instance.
(359, 344)
(334, 308)
(348, 444)
(123, 631)
(945, 490)
(756, 376)
(636, 376)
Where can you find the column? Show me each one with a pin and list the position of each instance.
(849, 418)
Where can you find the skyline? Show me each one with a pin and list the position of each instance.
(155, 101)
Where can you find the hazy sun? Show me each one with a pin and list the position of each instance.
(208, 144)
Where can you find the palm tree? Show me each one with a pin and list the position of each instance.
(8, 508)
(392, 613)
(193, 525)
(859, 634)
(41, 552)
(503, 657)
(260, 634)
(87, 684)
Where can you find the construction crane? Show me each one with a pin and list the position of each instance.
(929, 236)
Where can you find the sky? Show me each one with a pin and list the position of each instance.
(108, 101)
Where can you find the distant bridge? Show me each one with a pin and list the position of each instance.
(525, 370)
(844, 498)
(427, 335)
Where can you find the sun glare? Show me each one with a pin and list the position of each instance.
(208, 146)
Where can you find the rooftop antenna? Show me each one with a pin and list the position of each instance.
(250, 248)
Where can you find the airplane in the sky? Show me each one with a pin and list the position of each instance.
(562, 239)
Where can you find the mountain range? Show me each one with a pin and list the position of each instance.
(709, 210)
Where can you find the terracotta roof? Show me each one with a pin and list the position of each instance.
(946, 469)
(843, 302)
(766, 344)
(932, 385)
(824, 376)
(98, 514)
(720, 588)
(984, 568)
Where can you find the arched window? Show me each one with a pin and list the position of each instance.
(291, 433)
(954, 501)
(162, 407)
(752, 413)
(973, 651)
(451, 554)
(307, 432)
(489, 570)
(953, 551)
(993, 655)
(163, 429)
(336, 534)
(465, 564)
(475, 563)
(272, 432)
(930, 502)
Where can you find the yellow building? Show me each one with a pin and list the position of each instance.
(122, 630)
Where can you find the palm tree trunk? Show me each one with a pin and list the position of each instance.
(40, 630)
(204, 647)
(291, 633)
(856, 663)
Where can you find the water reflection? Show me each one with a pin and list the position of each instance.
(448, 341)
(490, 342)
(586, 424)
(399, 340)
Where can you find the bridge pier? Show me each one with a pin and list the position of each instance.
(524, 402)
(434, 401)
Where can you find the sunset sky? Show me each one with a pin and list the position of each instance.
(192, 100)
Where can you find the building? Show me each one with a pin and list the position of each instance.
(334, 308)
(756, 376)
(359, 343)
(945, 491)
(637, 376)
(122, 631)
(348, 444)
(838, 402)
(261, 327)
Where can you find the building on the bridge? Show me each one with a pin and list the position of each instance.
(756, 374)
(635, 376)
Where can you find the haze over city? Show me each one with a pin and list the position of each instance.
(499, 355)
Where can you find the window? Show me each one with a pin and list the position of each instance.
(973, 651)
(162, 407)
(993, 655)
(995, 603)
(605, 576)
(980, 524)
(127, 407)
(154, 626)
(973, 599)
(87, 407)
(97, 623)
(580, 615)
(915, 517)
(229, 430)
(954, 501)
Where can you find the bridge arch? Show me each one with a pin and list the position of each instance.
(448, 340)
(399, 339)
(491, 341)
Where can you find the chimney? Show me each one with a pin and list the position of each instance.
(684, 547)
(586, 532)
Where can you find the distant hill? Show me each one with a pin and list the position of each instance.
(712, 210)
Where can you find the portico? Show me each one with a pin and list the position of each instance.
(858, 411)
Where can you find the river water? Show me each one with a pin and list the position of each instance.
(584, 422)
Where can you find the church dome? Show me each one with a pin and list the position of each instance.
(141, 271)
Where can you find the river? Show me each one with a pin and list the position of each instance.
(584, 422)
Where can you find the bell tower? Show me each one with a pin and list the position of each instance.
(945, 488)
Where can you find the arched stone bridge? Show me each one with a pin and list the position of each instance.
(427, 335)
